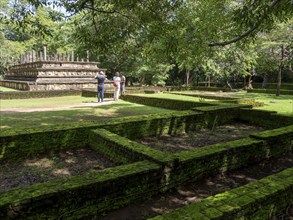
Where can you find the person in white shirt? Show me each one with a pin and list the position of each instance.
(117, 81)
(122, 83)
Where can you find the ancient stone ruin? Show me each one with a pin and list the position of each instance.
(37, 71)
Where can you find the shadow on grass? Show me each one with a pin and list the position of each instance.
(103, 112)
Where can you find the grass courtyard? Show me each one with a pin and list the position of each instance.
(14, 115)
(127, 156)
(58, 110)
(282, 104)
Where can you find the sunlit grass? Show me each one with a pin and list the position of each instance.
(6, 89)
(44, 102)
(174, 97)
(97, 113)
(282, 104)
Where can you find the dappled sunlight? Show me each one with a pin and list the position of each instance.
(41, 163)
(61, 172)
(70, 160)
(49, 166)
(46, 118)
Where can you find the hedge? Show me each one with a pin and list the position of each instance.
(257, 200)
(37, 94)
(164, 103)
(271, 91)
(89, 194)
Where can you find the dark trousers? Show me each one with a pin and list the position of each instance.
(101, 90)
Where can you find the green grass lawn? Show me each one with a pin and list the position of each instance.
(5, 89)
(43, 102)
(43, 118)
(282, 104)
(176, 97)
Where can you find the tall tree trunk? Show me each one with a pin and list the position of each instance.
(264, 82)
(280, 71)
(249, 82)
(279, 79)
(187, 77)
(209, 81)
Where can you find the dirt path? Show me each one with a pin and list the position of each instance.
(58, 107)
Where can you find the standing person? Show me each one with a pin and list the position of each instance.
(122, 83)
(101, 77)
(117, 81)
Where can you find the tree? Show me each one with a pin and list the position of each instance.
(276, 49)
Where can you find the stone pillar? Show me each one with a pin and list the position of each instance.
(58, 57)
(77, 59)
(41, 56)
(67, 56)
(33, 56)
(82, 60)
(45, 53)
(87, 56)
(21, 58)
(72, 56)
(62, 57)
(26, 57)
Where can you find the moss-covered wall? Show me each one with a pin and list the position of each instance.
(285, 86)
(91, 93)
(89, 194)
(122, 150)
(271, 91)
(164, 103)
(19, 143)
(258, 200)
(267, 119)
(197, 163)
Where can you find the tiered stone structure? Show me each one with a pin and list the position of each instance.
(51, 74)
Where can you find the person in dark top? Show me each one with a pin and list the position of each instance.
(101, 77)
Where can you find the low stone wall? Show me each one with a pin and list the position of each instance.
(20, 85)
(257, 200)
(38, 94)
(61, 85)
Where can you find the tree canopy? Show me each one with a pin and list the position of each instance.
(147, 39)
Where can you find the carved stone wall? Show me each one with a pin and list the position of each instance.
(52, 75)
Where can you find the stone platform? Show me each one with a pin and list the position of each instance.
(53, 75)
